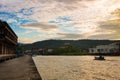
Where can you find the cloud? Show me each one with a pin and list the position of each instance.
(26, 40)
(41, 25)
(72, 36)
(65, 19)
(101, 36)
(75, 36)
(116, 13)
(112, 26)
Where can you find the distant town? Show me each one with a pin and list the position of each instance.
(69, 49)
(9, 46)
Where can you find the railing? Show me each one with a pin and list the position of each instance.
(14, 42)
(4, 57)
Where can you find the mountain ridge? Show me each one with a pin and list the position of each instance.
(82, 44)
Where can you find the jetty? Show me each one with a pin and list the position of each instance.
(22, 68)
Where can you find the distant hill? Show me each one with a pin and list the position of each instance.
(82, 44)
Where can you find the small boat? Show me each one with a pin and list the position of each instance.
(99, 58)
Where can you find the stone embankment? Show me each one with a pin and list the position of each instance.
(22, 68)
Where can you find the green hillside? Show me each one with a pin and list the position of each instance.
(82, 44)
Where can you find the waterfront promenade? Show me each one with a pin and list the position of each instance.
(22, 68)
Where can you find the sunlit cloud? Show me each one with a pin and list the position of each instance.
(26, 40)
(62, 19)
(42, 27)
(112, 26)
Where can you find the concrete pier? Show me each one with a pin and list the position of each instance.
(22, 68)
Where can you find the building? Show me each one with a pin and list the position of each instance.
(8, 39)
(106, 49)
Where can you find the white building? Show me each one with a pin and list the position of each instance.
(111, 48)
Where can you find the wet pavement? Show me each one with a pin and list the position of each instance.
(22, 68)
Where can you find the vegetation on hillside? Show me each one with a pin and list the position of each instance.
(66, 50)
(81, 44)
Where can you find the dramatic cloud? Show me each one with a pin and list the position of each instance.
(41, 25)
(112, 27)
(62, 19)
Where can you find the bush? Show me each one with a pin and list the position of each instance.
(67, 50)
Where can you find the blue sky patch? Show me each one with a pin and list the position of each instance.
(26, 12)
(64, 18)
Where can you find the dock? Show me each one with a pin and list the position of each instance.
(22, 68)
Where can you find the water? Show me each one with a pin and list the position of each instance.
(77, 68)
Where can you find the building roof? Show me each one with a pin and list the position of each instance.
(6, 24)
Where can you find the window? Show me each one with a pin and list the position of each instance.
(0, 48)
(92, 50)
(98, 50)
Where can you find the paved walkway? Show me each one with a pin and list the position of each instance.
(22, 68)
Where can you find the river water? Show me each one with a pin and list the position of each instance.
(77, 68)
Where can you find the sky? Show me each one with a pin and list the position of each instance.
(37, 20)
